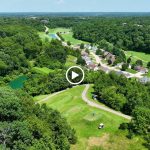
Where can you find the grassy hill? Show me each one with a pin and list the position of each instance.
(86, 119)
(68, 36)
(138, 55)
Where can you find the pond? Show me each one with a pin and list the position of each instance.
(18, 82)
(53, 36)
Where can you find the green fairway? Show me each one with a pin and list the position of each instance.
(66, 34)
(37, 98)
(69, 37)
(43, 70)
(138, 55)
(85, 120)
(71, 61)
(44, 36)
(55, 30)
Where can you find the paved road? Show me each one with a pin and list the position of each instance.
(90, 103)
(99, 61)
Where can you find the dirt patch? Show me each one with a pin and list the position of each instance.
(98, 141)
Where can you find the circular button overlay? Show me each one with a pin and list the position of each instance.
(75, 75)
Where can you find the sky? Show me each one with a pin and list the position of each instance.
(74, 5)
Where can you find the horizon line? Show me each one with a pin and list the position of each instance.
(80, 12)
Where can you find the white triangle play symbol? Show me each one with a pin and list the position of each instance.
(74, 75)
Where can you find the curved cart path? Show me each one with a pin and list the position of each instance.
(99, 106)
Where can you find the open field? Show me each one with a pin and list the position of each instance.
(43, 70)
(86, 119)
(44, 36)
(55, 30)
(71, 61)
(69, 37)
(138, 55)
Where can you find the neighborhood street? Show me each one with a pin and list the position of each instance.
(99, 61)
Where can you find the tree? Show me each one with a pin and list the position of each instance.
(148, 64)
(99, 52)
(87, 51)
(139, 63)
(124, 67)
(81, 61)
(141, 121)
(82, 46)
(68, 43)
(129, 60)
(112, 99)
(11, 108)
(24, 125)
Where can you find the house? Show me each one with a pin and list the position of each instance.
(88, 46)
(144, 80)
(83, 53)
(105, 53)
(124, 23)
(45, 21)
(33, 18)
(109, 56)
(75, 47)
(91, 66)
(141, 69)
(119, 65)
(94, 48)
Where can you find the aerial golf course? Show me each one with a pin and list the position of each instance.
(67, 34)
(85, 120)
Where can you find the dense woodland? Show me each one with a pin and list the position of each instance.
(29, 126)
(24, 125)
(130, 33)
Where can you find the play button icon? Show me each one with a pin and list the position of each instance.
(75, 75)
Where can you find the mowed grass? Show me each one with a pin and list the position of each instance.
(138, 56)
(55, 30)
(69, 37)
(71, 61)
(85, 120)
(131, 71)
(43, 70)
(44, 36)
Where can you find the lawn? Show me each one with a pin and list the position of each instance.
(71, 61)
(37, 98)
(86, 119)
(43, 70)
(148, 74)
(55, 30)
(44, 36)
(131, 71)
(69, 37)
(138, 55)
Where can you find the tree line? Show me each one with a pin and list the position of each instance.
(128, 96)
(128, 33)
(24, 125)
